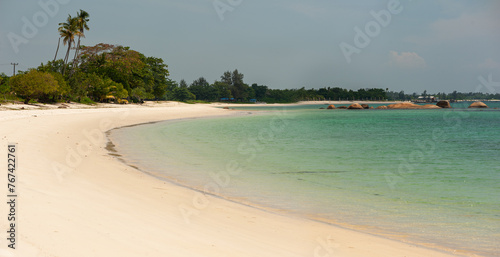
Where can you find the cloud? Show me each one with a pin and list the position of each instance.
(407, 60)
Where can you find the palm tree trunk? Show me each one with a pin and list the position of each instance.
(58, 42)
(77, 48)
(74, 58)
(66, 57)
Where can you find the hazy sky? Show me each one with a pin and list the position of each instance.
(433, 45)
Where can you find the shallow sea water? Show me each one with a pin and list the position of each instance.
(425, 176)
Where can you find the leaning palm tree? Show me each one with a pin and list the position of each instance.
(68, 31)
(61, 27)
(57, 50)
(82, 18)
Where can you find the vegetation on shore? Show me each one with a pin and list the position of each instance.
(114, 73)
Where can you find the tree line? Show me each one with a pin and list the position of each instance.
(114, 73)
(455, 95)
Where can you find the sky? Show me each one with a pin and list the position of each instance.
(433, 45)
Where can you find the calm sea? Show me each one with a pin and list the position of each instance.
(429, 177)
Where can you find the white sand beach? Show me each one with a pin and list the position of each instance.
(77, 200)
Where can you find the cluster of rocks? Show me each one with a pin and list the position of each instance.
(439, 105)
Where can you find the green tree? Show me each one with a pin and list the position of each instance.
(82, 19)
(63, 89)
(92, 85)
(4, 84)
(183, 84)
(34, 85)
(171, 85)
(227, 78)
(402, 95)
(260, 91)
(182, 94)
(68, 30)
(96, 87)
(119, 63)
(52, 66)
(203, 90)
(115, 89)
(143, 77)
(158, 72)
(239, 88)
(222, 90)
(234, 79)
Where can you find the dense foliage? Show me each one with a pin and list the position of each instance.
(4, 84)
(104, 73)
(38, 85)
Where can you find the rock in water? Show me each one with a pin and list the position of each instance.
(478, 105)
(404, 106)
(355, 107)
(430, 106)
(444, 104)
(382, 107)
(342, 107)
(365, 106)
(331, 107)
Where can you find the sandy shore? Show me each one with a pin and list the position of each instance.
(77, 200)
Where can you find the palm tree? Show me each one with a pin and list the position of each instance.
(68, 31)
(57, 50)
(82, 18)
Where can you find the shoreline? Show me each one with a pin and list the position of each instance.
(387, 234)
(73, 194)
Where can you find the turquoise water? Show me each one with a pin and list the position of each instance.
(425, 176)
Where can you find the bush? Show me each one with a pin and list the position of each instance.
(115, 89)
(63, 89)
(4, 84)
(34, 85)
(96, 87)
(86, 100)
